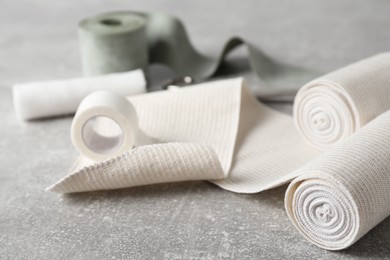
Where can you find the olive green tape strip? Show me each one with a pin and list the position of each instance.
(122, 41)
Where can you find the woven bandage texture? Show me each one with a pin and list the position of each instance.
(255, 147)
(219, 132)
(331, 108)
(345, 192)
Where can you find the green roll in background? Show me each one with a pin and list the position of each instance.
(123, 41)
(114, 42)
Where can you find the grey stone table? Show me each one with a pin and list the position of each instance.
(192, 220)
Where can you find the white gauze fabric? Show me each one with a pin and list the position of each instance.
(345, 192)
(329, 109)
(62, 97)
(257, 148)
(219, 132)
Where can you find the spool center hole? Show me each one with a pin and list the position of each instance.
(102, 135)
(111, 22)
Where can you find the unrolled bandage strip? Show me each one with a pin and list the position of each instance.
(62, 97)
(212, 115)
(243, 146)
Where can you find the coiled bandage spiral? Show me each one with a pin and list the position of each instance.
(345, 192)
(329, 109)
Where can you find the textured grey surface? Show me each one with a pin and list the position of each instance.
(193, 220)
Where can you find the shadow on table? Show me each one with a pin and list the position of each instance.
(376, 243)
(166, 190)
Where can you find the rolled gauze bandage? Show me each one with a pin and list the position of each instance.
(331, 108)
(113, 42)
(345, 192)
(117, 135)
(62, 97)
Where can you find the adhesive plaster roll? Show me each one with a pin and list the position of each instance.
(62, 97)
(105, 125)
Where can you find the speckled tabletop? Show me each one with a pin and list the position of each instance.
(192, 220)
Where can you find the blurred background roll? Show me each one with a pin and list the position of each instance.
(345, 192)
(329, 109)
(113, 42)
(125, 40)
(44, 99)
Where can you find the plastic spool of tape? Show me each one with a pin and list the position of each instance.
(105, 125)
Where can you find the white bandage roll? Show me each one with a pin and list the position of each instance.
(62, 97)
(344, 193)
(329, 109)
(98, 140)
